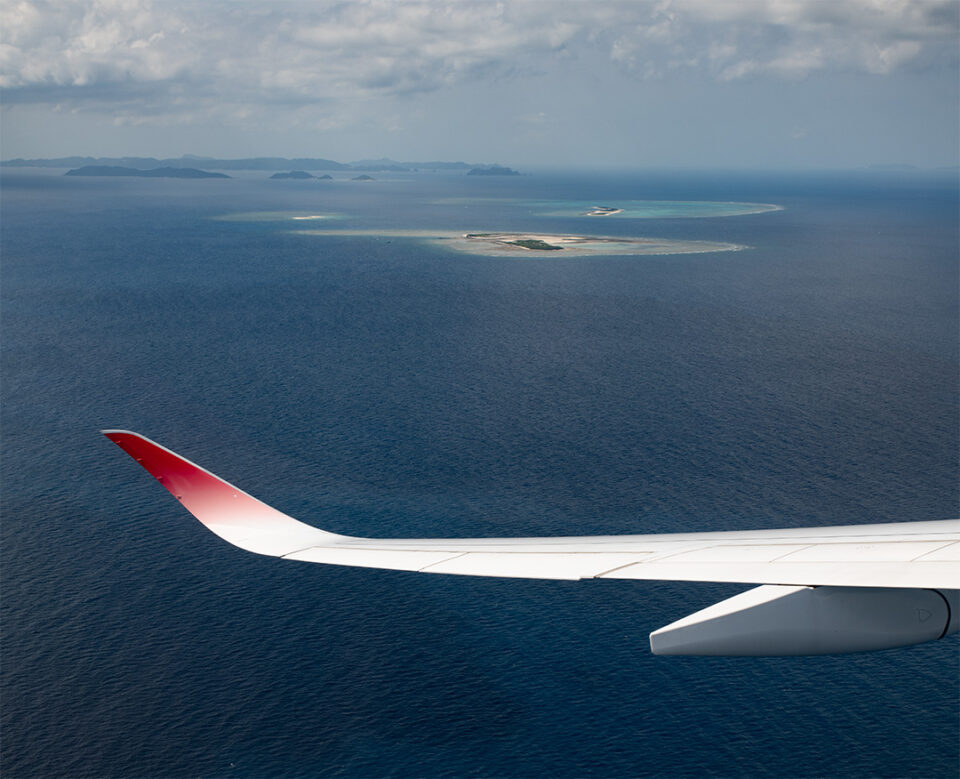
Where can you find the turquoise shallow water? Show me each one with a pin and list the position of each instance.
(649, 209)
(623, 208)
(379, 386)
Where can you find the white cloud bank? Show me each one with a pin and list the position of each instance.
(170, 61)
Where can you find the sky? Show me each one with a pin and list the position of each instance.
(632, 83)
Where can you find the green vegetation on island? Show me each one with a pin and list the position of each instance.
(152, 173)
(536, 244)
(294, 174)
(492, 170)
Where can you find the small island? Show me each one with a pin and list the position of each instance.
(531, 244)
(153, 173)
(511, 239)
(542, 244)
(603, 211)
(493, 170)
(295, 174)
(364, 177)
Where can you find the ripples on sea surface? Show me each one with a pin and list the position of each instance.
(384, 386)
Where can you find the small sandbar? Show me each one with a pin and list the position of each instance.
(603, 211)
(276, 216)
(373, 232)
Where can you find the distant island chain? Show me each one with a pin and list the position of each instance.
(195, 167)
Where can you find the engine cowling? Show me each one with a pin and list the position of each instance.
(780, 620)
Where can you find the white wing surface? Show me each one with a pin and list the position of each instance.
(889, 557)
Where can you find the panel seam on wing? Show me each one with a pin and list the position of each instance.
(426, 568)
(919, 558)
(792, 551)
(693, 547)
(305, 549)
(620, 567)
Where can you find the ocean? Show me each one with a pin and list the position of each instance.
(358, 375)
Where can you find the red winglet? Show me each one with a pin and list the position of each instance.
(228, 511)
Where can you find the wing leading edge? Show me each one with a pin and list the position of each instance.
(902, 556)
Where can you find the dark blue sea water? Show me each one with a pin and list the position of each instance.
(383, 386)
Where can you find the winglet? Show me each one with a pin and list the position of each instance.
(228, 511)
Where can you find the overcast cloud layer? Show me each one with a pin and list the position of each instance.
(391, 68)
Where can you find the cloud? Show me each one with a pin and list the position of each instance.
(57, 45)
(538, 117)
(140, 60)
(732, 39)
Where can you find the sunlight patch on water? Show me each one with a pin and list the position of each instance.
(276, 216)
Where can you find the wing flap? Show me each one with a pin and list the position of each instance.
(884, 551)
(534, 565)
(520, 565)
(363, 557)
(846, 573)
(735, 553)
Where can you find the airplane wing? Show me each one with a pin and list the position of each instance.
(825, 589)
